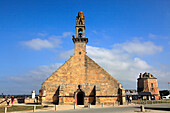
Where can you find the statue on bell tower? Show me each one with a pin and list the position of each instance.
(80, 19)
(80, 26)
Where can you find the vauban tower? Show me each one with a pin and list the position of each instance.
(81, 80)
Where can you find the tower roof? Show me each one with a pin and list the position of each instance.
(146, 75)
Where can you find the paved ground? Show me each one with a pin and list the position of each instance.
(155, 108)
(98, 110)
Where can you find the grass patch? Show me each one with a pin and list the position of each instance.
(19, 108)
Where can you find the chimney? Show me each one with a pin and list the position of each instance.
(141, 75)
(149, 75)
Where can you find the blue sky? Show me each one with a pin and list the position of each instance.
(129, 37)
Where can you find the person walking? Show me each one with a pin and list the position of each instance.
(130, 99)
(12, 99)
(8, 101)
(3, 96)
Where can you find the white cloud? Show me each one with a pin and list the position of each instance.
(139, 48)
(37, 75)
(125, 67)
(117, 61)
(66, 34)
(66, 54)
(38, 44)
(152, 36)
(52, 41)
(31, 80)
(42, 34)
(94, 31)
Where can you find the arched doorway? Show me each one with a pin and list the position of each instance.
(80, 98)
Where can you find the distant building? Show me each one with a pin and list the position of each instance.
(147, 86)
(131, 92)
(165, 94)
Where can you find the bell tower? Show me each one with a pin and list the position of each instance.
(80, 40)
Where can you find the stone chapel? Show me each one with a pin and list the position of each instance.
(81, 80)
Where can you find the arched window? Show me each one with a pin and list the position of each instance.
(80, 22)
(80, 33)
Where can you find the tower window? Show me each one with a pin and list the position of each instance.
(151, 84)
(80, 33)
(80, 22)
(80, 53)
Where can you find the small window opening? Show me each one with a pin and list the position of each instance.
(80, 23)
(79, 53)
(80, 33)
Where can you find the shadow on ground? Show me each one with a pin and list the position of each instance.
(157, 108)
(153, 108)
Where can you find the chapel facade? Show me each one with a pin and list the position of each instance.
(81, 80)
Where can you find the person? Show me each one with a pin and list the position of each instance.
(12, 99)
(130, 99)
(3, 96)
(8, 101)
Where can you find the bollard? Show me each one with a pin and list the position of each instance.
(74, 105)
(34, 108)
(118, 103)
(55, 107)
(89, 105)
(102, 104)
(5, 111)
(113, 103)
(152, 101)
(142, 108)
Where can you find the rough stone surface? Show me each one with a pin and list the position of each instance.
(80, 74)
(148, 83)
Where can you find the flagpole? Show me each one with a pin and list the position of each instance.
(169, 87)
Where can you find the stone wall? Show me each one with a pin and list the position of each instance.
(148, 83)
(153, 89)
(79, 72)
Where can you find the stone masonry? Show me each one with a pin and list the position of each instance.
(80, 80)
(148, 83)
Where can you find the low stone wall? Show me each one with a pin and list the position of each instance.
(30, 100)
(94, 101)
(27, 100)
(17, 101)
(108, 100)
